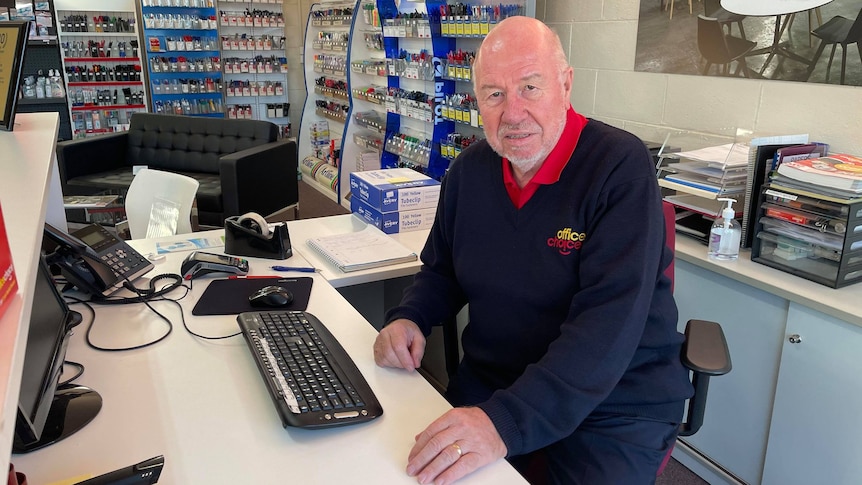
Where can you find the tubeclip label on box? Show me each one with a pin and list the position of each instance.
(393, 222)
(395, 189)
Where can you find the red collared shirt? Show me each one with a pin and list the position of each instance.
(551, 168)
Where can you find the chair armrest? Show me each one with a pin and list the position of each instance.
(261, 179)
(91, 155)
(704, 353)
(705, 348)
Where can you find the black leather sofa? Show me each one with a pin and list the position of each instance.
(241, 165)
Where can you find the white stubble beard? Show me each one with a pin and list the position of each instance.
(526, 164)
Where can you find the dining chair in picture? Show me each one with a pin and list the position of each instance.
(713, 9)
(837, 31)
(669, 5)
(814, 15)
(720, 49)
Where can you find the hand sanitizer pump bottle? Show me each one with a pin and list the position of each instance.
(724, 237)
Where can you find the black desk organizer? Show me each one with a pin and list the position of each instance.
(799, 234)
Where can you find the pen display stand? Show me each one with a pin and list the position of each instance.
(182, 50)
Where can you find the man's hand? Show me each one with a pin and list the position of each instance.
(456, 444)
(400, 344)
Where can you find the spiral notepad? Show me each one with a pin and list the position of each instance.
(368, 248)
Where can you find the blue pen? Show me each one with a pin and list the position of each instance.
(293, 268)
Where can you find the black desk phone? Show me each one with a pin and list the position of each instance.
(94, 260)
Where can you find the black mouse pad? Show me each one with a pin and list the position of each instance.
(230, 297)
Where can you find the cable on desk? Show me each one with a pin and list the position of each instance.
(206, 337)
(78, 374)
(144, 294)
(183, 319)
(90, 343)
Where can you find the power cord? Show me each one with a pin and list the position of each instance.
(78, 374)
(145, 296)
(87, 303)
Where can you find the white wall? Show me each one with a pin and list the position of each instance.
(600, 38)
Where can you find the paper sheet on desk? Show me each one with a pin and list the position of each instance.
(191, 244)
(729, 155)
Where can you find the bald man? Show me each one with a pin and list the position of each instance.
(551, 229)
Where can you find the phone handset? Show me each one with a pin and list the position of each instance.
(69, 242)
(94, 260)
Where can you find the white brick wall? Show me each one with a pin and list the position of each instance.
(600, 37)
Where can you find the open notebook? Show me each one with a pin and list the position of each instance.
(368, 248)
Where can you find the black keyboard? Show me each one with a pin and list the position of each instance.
(313, 382)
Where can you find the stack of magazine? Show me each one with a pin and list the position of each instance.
(838, 176)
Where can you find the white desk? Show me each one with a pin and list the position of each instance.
(29, 194)
(303, 229)
(370, 291)
(204, 406)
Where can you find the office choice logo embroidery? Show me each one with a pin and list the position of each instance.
(567, 240)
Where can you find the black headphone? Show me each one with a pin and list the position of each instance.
(255, 222)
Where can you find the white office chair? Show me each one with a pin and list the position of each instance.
(160, 204)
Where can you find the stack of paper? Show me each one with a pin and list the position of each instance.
(711, 172)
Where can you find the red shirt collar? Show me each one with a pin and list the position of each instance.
(553, 165)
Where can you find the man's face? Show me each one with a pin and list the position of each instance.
(523, 99)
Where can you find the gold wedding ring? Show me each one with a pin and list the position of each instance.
(457, 448)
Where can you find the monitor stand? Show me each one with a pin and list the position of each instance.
(73, 407)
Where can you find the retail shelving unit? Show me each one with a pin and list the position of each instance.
(408, 83)
(100, 46)
(327, 105)
(253, 61)
(43, 54)
(181, 42)
(396, 81)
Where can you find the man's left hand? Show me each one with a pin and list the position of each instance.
(456, 444)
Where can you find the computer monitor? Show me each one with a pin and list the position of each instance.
(47, 411)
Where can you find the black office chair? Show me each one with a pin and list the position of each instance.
(721, 49)
(713, 9)
(704, 353)
(837, 31)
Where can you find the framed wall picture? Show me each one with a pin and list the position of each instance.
(13, 44)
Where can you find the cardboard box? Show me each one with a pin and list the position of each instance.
(394, 222)
(395, 189)
(8, 281)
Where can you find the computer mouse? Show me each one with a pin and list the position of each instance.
(271, 296)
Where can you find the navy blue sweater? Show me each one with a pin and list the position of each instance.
(569, 310)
